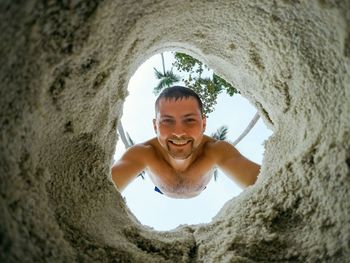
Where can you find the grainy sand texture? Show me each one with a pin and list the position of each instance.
(64, 70)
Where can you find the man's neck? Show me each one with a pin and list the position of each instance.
(180, 164)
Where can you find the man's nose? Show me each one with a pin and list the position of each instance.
(179, 130)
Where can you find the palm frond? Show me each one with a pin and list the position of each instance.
(165, 80)
(142, 174)
(221, 133)
(158, 74)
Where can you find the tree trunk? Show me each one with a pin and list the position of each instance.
(247, 130)
(122, 135)
(163, 63)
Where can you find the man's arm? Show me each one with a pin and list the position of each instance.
(235, 165)
(129, 166)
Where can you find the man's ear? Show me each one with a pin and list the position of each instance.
(204, 119)
(155, 125)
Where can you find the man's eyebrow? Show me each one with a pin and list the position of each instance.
(166, 116)
(190, 115)
(184, 116)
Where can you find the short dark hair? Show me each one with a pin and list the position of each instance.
(179, 92)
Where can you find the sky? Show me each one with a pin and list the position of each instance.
(164, 213)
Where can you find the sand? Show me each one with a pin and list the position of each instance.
(64, 70)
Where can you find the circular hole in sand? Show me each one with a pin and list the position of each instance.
(164, 213)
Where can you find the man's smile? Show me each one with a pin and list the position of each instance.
(179, 142)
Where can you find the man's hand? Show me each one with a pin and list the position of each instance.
(235, 165)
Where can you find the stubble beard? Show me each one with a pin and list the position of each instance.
(180, 154)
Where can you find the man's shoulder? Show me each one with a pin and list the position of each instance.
(149, 151)
(140, 151)
(146, 148)
(211, 143)
(143, 146)
(215, 146)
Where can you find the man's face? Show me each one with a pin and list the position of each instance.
(179, 126)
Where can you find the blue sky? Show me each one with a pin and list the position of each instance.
(159, 211)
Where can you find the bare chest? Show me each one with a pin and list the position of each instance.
(179, 183)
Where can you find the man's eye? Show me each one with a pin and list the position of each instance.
(167, 121)
(190, 120)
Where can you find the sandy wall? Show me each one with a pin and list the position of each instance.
(64, 69)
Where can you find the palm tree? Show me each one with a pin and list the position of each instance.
(221, 133)
(166, 79)
(163, 63)
(248, 129)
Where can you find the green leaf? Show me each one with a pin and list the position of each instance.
(221, 133)
(207, 88)
(165, 80)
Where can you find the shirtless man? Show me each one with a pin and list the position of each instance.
(181, 160)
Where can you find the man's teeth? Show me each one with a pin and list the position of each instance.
(179, 142)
